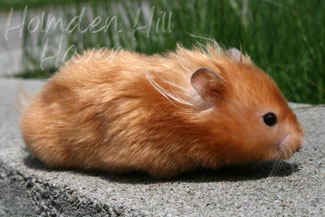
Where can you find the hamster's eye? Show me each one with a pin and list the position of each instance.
(270, 119)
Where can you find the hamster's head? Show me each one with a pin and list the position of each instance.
(246, 112)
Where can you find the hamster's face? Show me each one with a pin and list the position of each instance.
(262, 130)
(250, 113)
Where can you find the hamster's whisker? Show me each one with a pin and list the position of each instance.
(273, 167)
(288, 153)
(280, 166)
(277, 165)
(291, 167)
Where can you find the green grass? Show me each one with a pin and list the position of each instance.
(284, 38)
(6, 5)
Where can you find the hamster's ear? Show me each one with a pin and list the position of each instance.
(208, 84)
(237, 55)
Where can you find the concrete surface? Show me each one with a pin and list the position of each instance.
(28, 188)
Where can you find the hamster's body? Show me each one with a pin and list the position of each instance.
(120, 111)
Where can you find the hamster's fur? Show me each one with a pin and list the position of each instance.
(120, 111)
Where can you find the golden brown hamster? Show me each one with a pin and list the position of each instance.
(120, 111)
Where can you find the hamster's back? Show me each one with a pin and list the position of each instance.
(101, 104)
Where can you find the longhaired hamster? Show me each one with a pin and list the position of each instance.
(119, 111)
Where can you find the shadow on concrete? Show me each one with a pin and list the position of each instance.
(229, 173)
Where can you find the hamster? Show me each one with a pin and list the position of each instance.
(120, 111)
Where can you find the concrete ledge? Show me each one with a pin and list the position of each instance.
(26, 194)
(28, 188)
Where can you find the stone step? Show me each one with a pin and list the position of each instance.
(28, 188)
